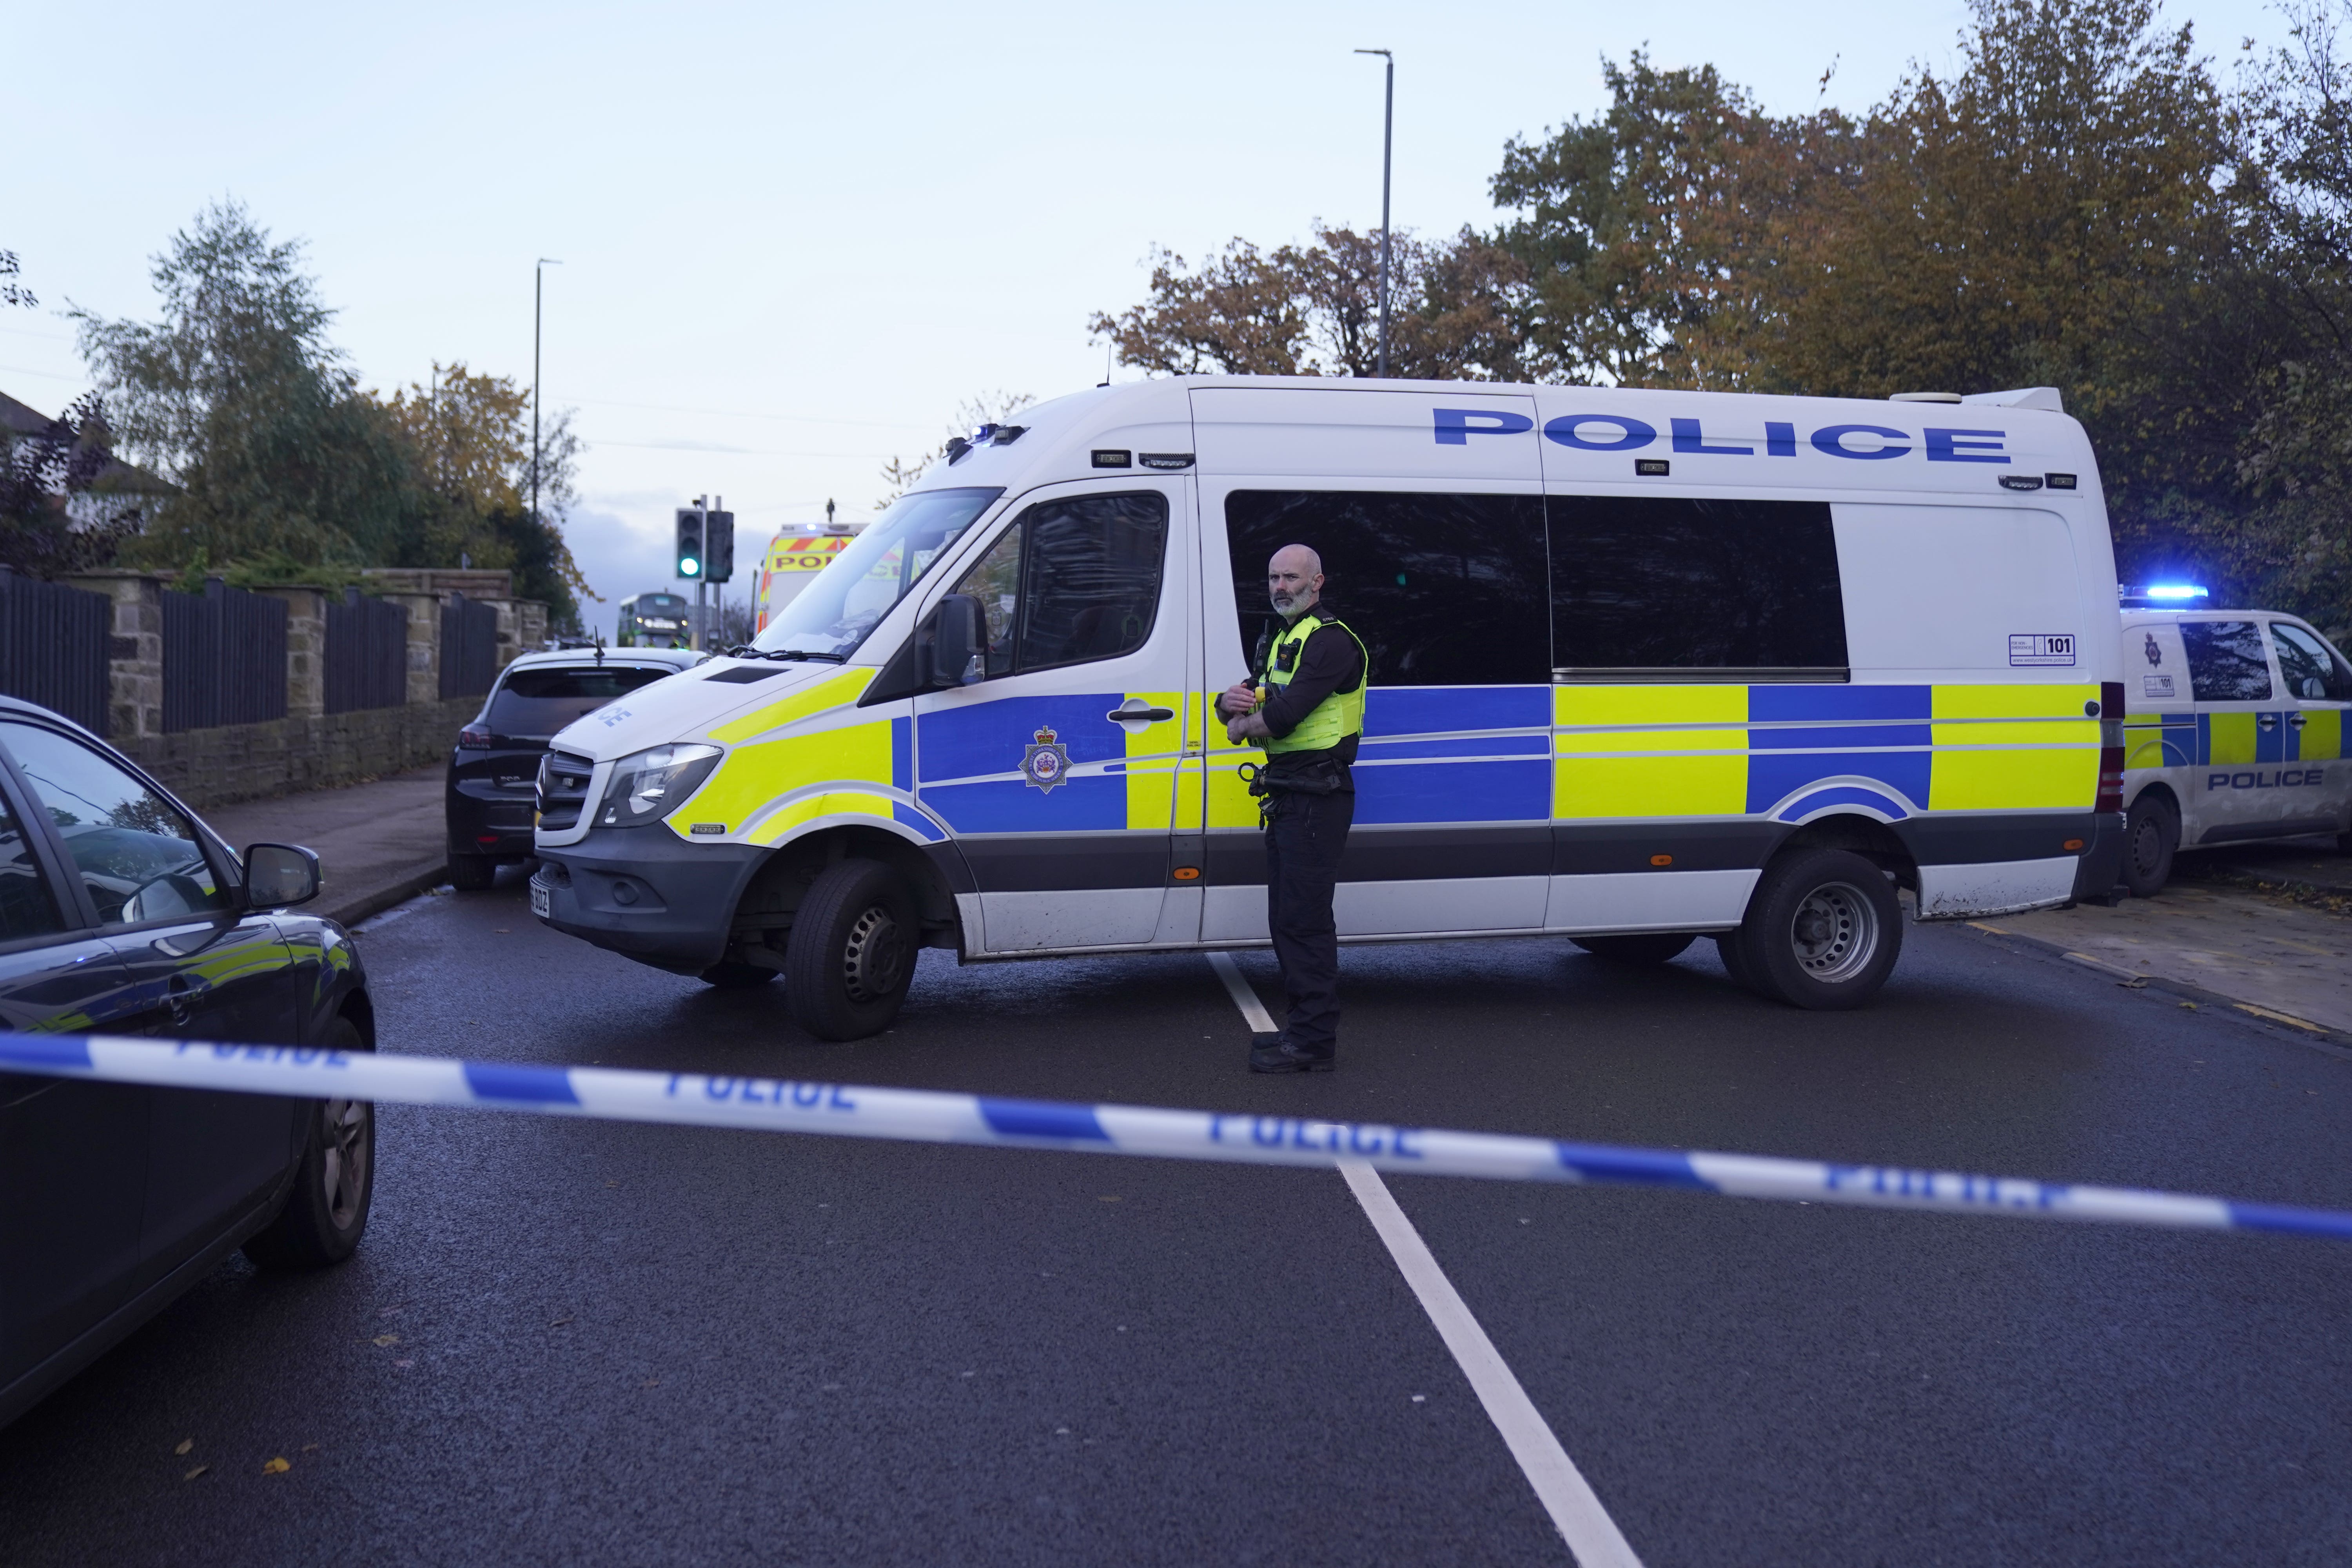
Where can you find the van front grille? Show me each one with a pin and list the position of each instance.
(562, 789)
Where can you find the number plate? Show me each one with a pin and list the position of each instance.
(537, 898)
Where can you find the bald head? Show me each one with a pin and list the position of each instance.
(1294, 580)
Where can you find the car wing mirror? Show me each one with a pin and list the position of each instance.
(277, 875)
(952, 641)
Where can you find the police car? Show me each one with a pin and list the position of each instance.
(2236, 730)
(1646, 665)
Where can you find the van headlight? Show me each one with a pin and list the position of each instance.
(648, 785)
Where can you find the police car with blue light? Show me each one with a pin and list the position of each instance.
(2237, 730)
(1645, 667)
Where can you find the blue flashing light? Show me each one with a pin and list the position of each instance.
(2175, 591)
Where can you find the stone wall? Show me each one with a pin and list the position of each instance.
(251, 762)
(309, 747)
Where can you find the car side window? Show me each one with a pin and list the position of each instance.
(27, 906)
(1071, 582)
(2313, 671)
(139, 858)
(2227, 661)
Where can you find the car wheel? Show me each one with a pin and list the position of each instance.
(1649, 947)
(472, 873)
(1727, 948)
(327, 1209)
(2151, 833)
(736, 976)
(1822, 930)
(852, 951)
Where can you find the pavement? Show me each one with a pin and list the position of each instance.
(571, 1342)
(378, 843)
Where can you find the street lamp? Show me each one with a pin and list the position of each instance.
(1388, 145)
(537, 291)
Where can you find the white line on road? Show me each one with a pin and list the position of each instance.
(1559, 1485)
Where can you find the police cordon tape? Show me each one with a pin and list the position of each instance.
(927, 1116)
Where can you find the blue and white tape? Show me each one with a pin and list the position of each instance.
(924, 1116)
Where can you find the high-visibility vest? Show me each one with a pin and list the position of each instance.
(1335, 718)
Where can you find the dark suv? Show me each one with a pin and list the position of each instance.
(120, 913)
(493, 767)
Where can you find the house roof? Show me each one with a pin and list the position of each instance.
(117, 478)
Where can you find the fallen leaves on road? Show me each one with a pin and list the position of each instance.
(2138, 985)
(185, 1444)
(404, 1361)
(199, 1470)
(388, 1339)
(559, 1322)
(278, 1466)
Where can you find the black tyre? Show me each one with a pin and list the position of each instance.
(1649, 947)
(2151, 833)
(852, 951)
(1727, 948)
(327, 1212)
(472, 873)
(736, 976)
(1823, 928)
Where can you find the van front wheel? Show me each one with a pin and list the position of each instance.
(1822, 930)
(852, 951)
(2151, 833)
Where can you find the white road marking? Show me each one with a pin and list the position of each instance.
(1592, 1535)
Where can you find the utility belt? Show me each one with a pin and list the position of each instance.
(1319, 774)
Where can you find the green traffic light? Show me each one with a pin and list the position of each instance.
(688, 566)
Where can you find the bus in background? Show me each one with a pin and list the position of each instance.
(792, 563)
(654, 620)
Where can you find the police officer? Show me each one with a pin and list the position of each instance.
(1305, 709)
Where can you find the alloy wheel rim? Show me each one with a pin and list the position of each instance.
(344, 1140)
(873, 957)
(1834, 932)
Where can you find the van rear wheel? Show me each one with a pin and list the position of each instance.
(851, 955)
(1822, 932)
(1648, 947)
(2151, 833)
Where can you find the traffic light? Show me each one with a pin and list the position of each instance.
(718, 548)
(691, 557)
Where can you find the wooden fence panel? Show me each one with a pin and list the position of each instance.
(55, 645)
(224, 658)
(367, 654)
(469, 648)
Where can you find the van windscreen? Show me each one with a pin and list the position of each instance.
(541, 701)
(1661, 587)
(841, 608)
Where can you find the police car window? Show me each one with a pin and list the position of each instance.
(2226, 661)
(541, 701)
(1721, 589)
(995, 582)
(139, 858)
(1445, 590)
(1090, 584)
(2313, 671)
(28, 909)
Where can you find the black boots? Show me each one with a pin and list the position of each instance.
(1274, 1053)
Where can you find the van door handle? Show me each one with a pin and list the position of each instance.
(2267, 720)
(1139, 715)
(2297, 719)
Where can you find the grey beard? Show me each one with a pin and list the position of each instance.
(1294, 606)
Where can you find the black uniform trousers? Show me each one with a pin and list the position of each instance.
(1304, 836)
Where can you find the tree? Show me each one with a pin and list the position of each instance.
(237, 396)
(1314, 309)
(46, 477)
(11, 291)
(466, 440)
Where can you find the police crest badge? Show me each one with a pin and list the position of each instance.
(1047, 760)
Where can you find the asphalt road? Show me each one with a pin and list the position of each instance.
(573, 1343)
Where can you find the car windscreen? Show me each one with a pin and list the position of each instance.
(541, 701)
(836, 613)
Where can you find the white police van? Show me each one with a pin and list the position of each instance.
(2235, 729)
(1646, 665)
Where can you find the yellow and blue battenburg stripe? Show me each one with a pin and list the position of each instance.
(2230, 739)
(927, 1116)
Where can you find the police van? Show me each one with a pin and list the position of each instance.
(2236, 730)
(1646, 665)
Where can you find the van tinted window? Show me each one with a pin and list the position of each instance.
(2226, 661)
(1445, 590)
(2313, 671)
(1663, 586)
(1071, 582)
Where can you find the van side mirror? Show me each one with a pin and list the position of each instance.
(277, 875)
(953, 641)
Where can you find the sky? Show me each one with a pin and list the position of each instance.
(795, 239)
